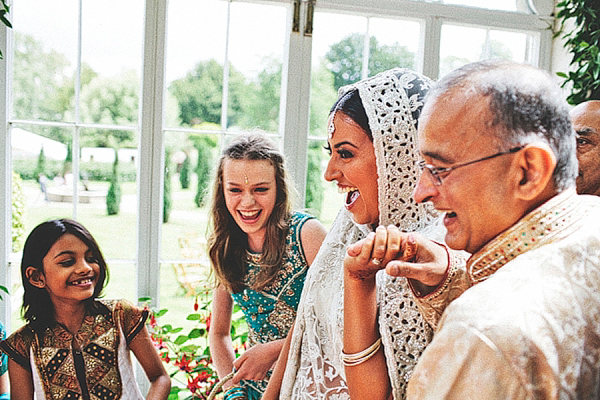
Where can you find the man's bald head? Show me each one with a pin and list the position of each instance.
(586, 122)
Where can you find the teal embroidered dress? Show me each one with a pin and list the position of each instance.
(271, 311)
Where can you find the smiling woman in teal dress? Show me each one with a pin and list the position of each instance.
(260, 251)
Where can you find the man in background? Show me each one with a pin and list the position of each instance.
(586, 121)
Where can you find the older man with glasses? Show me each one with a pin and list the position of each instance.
(500, 162)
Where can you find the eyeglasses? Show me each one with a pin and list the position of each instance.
(439, 173)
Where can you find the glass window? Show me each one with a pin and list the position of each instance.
(464, 44)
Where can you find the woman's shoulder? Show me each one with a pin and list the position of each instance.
(300, 217)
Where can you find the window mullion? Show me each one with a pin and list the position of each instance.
(151, 152)
(5, 181)
(295, 96)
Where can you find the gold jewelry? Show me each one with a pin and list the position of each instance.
(254, 258)
(245, 179)
(331, 127)
(350, 360)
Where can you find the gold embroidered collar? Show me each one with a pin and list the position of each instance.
(551, 221)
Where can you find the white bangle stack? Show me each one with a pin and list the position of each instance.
(350, 360)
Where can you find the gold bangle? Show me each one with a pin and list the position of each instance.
(350, 360)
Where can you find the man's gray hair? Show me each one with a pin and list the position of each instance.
(524, 105)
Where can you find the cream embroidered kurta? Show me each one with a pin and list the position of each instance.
(530, 325)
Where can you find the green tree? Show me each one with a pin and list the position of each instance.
(113, 197)
(40, 167)
(200, 93)
(17, 211)
(184, 174)
(345, 58)
(314, 180)
(204, 146)
(260, 102)
(167, 201)
(38, 77)
(111, 101)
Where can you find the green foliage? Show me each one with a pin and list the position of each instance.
(40, 168)
(113, 197)
(204, 146)
(187, 356)
(184, 174)
(17, 210)
(323, 96)
(199, 94)
(3, 289)
(260, 103)
(94, 170)
(3, 14)
(167, 200)
(345, 58)
(111, 101)
(314, 180)
(584, 43)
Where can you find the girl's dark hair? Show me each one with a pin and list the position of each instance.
(351, 105)
(37, 308)
(227, 243)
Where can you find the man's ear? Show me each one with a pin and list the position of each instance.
(536, 162)
(35, 277)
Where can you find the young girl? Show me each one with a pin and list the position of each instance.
(75, 346)
(260, 252)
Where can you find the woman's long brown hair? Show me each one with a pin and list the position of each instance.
(227, 243)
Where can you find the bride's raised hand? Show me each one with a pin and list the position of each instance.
(367, 256)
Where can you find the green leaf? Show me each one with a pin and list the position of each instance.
(561, 74)
(194, 317)
(196, 333)
(181, 339)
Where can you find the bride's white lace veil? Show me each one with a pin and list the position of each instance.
(392, 101)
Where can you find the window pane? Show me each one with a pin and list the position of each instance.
(194, 65)
(45, 59)
(112, 205)
(256, 58)
(461, 45)
(503, 5)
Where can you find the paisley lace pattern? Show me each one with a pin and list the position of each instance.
(392, 101)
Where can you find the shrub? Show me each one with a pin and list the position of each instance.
(113, 197)
(184, 174)
(187, 356)
(203, 170)
(40, 168)
(314, 180)
(167, 187)
(18, 210)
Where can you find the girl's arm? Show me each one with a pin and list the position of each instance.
(219, 335)
(312, 235)
(21, 382)
(3, 384)
(146, 354)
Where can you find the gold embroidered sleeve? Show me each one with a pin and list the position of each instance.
(17, 346)
(133, 319)
(432, 305)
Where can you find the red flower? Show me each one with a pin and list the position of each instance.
(196, 304)
(165, 357)
(208, 321)
(184, 363)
